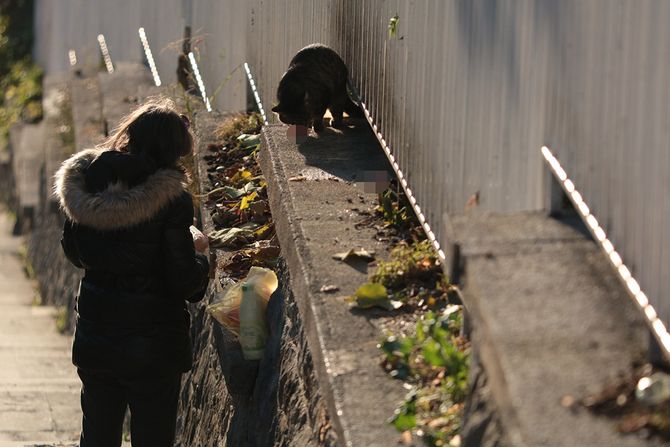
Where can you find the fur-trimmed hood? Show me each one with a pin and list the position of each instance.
(118, 205)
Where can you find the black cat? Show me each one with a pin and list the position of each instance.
(316, 80)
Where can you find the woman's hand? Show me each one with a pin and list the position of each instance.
(199, 240)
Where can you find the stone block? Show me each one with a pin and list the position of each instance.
(120, 91)
(86, 112)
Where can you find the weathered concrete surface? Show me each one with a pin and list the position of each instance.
(27, 149)
(145, 91)
(550, 319)
(39, 388)
(58, 279)
(119, 91)
(315, 218)
(56, 103)
(86, 112)
(229, 401)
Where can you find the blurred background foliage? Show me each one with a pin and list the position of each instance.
(20, 78)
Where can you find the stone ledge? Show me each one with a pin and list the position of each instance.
(549, 319)
(313, 220)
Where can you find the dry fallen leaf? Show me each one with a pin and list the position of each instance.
(297, 178)
(262, 251)
(238, 264)
(259, 207)
(230, 237)
(329, 288)
(633, 422)
(323, 431)
(360, 253)
(567, 401)
(473, 202)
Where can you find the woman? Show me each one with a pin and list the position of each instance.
(128, 226)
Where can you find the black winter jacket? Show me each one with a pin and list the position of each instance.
(127, 225)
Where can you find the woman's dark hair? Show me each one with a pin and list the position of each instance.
(154, 131)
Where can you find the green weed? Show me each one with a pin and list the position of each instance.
(25, 262)
(393, 26)
(20, 79)
(435, 360)
(62, 321)
(413, 273)
(242, 123)
(65, 125)
(396, 210)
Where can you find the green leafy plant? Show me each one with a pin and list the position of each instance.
(62, 322)
(395, 209)
(435, 360)
(413, 273)
(21, 97)
(393, 26)
(241, 123)
(20, 79)
(65, 125)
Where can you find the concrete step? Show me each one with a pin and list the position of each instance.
(550, 320)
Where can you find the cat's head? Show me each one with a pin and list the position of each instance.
(292, 115)
(292, 98)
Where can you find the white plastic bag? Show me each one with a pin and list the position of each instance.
(227, 310)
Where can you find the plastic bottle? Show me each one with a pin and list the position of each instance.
(253, 331)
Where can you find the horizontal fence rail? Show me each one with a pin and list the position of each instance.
(464, 93)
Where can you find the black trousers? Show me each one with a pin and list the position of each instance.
(153, 404)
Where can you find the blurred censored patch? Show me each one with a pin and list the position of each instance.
(373, 181)
(296, 134)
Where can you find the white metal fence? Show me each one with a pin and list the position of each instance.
(465, 93)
